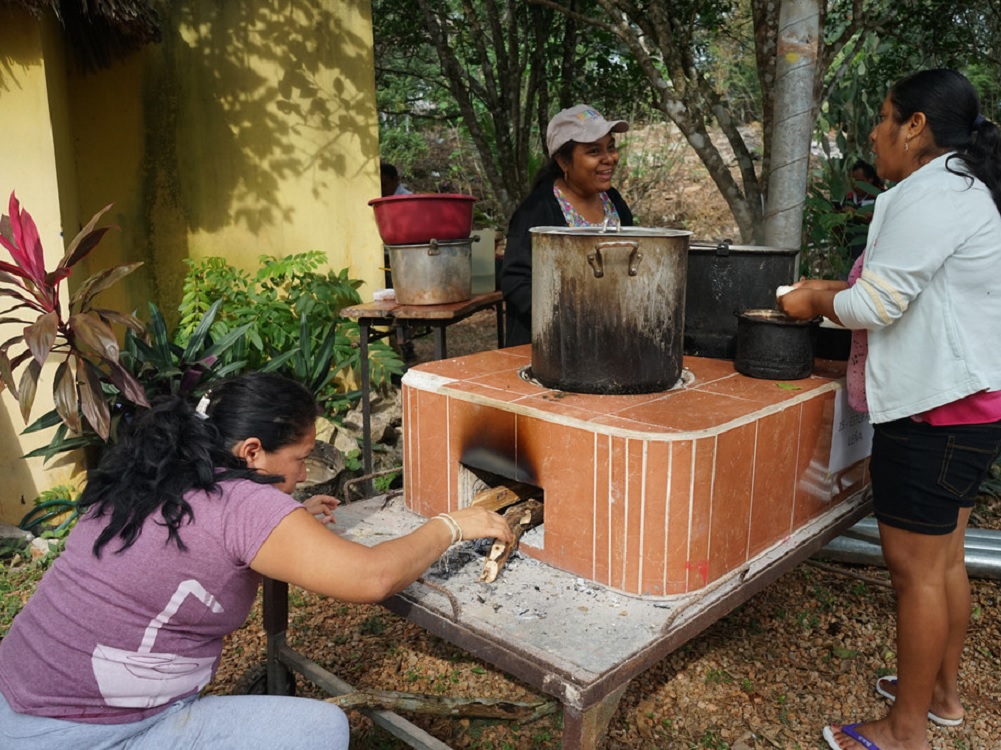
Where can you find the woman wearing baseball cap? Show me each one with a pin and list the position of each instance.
(573, 189)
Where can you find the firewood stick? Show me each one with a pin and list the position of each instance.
(498, 498)
(520, 518)
(441, 705)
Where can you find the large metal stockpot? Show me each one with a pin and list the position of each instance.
(608, 308)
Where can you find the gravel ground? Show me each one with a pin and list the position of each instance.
(803, 653)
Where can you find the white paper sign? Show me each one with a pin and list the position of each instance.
(851, 440)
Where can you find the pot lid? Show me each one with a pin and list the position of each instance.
(725, 247)
(613, 231)
(773, 317)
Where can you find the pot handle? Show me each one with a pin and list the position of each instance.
(434, 250)
(598, 265)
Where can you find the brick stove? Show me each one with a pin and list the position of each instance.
(653, 495)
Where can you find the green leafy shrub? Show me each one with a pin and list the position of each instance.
(289, 309)
(829, 229)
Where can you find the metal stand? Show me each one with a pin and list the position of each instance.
(393, 316)
(584, 657)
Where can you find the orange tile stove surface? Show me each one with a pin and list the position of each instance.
(657, 494)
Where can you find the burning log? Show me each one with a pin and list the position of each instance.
(520, 518)
(498, 498)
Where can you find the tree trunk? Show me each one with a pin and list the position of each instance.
(795, 112)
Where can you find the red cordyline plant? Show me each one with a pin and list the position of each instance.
(82, 337)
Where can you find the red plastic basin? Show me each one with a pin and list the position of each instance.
(421, 217)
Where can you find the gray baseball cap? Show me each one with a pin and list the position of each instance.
(583, 124)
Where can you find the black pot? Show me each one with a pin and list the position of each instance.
(774, 346)
(724, 279)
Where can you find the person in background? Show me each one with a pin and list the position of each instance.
(181, 519)
(924, 303)
(865, 185)
(573, 189)
(391, 184)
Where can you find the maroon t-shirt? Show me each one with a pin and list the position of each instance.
(118, 638)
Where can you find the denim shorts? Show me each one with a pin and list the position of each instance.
(923, 474)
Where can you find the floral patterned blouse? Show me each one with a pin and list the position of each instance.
(573, 217)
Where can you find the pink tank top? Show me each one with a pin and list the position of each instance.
(855, 371)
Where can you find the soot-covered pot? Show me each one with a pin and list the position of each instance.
(608, 308)
(772, 345)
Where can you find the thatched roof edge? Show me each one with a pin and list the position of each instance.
(100, 31)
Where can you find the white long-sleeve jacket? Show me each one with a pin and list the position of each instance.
(929, 294)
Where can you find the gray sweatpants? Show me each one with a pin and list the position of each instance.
(240, 722)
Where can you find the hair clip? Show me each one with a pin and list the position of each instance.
(201, 411)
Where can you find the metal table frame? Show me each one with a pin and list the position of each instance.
(393, 316)
(589, 697)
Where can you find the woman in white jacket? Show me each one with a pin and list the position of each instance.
(924, 303)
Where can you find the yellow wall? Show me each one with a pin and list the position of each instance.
(29, 147)
(249, 130)
(246, 131)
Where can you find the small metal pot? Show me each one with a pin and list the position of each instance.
(434, 273)
(774, 346)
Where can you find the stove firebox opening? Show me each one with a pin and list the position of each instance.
(505, 495)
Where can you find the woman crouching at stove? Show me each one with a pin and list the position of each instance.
(181, 519)
(573, 189)
(924, 303)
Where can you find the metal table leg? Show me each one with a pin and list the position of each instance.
(275, 606)
(583, 729)
(440, 351)
(364, 325)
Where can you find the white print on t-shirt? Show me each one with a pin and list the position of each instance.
(144, 679)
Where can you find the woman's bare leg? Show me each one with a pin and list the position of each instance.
(945, 698)
(945, 701)
(921, 568)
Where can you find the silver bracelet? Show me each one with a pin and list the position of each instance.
(453, 527)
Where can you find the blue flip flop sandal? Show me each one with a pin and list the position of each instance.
(848, 729)
(933, 717)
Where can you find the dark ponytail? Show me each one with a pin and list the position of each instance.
(551, 170)
(170, 449)
(952, 110)
(983, 158)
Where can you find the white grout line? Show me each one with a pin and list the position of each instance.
(611, 500)
(448, 464)
(594, 509)
(750, 499)
(795, 473)
(691, 514)
(712, 507)
(667, 514)
(624, 542)
(639, 582)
